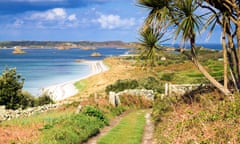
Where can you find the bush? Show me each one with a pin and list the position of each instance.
(44, 99)
(94, 112)
(167, 76)
(121, 85)
(27, 100)
(151, 83)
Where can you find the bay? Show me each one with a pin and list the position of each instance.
(44, 67)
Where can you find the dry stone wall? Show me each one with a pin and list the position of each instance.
(11, 114)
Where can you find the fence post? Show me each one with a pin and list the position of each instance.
(166, 89)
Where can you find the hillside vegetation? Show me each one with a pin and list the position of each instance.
(197, 118)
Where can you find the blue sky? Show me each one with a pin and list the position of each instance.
(74, 20)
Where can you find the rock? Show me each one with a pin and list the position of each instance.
(163, 58)
(18, 50)
(96, 54)
(79, 109)
(10, 114)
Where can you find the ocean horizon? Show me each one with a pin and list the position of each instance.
(43, 67)
(214, 46)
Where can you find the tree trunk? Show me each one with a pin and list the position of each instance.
(212, 80)
(225, 63)
(238, 42)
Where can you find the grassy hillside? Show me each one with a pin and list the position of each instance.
(200, 118)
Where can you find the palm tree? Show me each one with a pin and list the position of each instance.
(182, 15)
(226, 14)
(158, 13)
(189, 23)
(149, 42)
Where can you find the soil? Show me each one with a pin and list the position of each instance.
(148, 130)
(19, 134)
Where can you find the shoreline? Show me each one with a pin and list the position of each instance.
(67, 89)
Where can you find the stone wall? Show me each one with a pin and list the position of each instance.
(11, 114)
(181, 89)
(115, 100)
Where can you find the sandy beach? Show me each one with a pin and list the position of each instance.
(67, 89)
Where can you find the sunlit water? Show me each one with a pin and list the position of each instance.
(45, 67)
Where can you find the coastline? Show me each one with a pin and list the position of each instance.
(67, 89)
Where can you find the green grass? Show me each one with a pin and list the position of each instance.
(37, 118)
(80, 85)
(76, 128)
(128, 131)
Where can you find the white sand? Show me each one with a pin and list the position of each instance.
(67, 89)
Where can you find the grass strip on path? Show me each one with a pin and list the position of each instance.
(128, 131)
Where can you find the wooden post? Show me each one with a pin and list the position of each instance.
(166, 89)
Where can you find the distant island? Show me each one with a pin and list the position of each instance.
(63, 45)
(18, 50)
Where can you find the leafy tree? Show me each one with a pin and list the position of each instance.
(11, 85)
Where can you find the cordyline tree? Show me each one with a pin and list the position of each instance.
(182, 16)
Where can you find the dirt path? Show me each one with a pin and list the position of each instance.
(106, 129)
(148, 130)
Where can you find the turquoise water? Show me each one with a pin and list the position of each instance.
(45, 67)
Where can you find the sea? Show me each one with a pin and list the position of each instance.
(213, 46)
(42, 67)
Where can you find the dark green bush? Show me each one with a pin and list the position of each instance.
(151, 83)
(121, 85)
(167, 76)
(44, 99)
(27, 100)
(94, 112)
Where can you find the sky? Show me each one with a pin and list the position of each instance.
(74, 20)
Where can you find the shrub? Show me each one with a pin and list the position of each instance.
(151, 83)
(44, 99)
(94, 112)
(167, 76)
(121, 85)
(27, 100)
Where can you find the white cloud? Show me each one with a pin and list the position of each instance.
(56, 18)
(72, 17)
(53, 14)
(114, 21)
